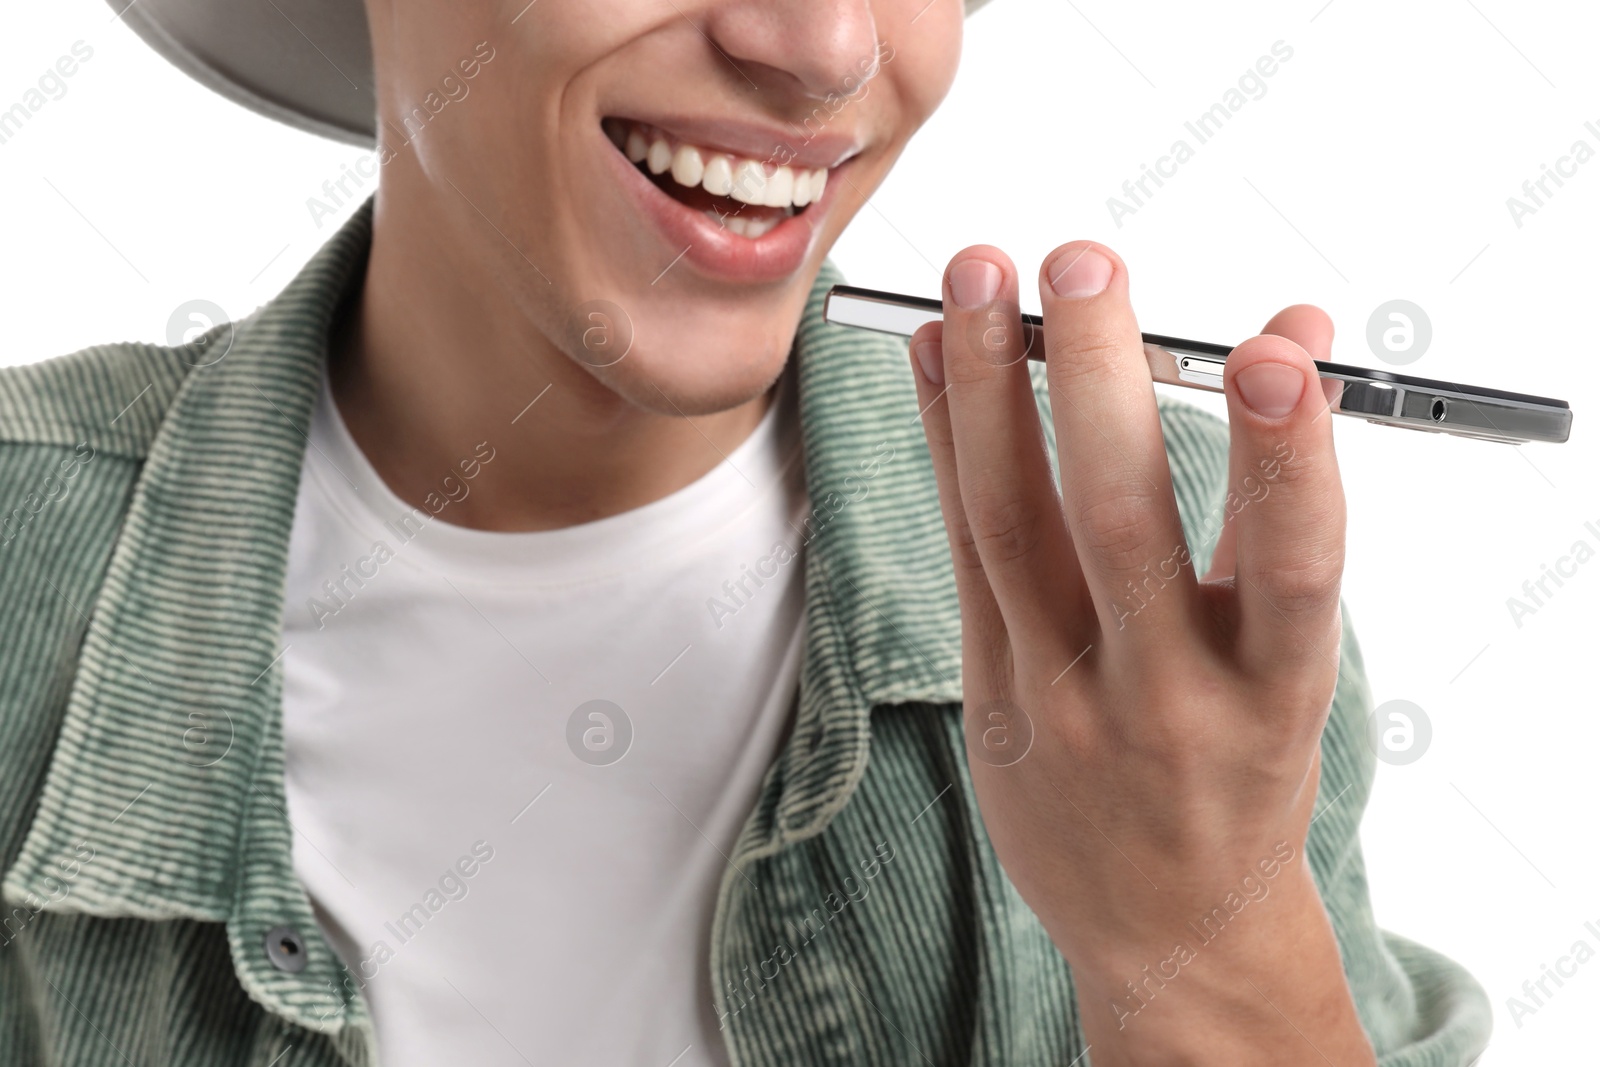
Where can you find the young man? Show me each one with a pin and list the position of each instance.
(536, 637)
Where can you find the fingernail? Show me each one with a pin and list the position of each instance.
(1080, 273)
(974, 282)
(1271, 389)
(930, 357)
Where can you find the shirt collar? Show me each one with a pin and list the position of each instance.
(169, 761)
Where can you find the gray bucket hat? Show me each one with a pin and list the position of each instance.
(304, 62)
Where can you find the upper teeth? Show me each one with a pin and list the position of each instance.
(745, 180)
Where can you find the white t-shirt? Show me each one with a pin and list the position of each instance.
(511, 870)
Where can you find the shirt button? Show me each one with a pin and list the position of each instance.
(286, 949)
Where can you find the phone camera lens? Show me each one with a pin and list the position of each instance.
(1438, 409)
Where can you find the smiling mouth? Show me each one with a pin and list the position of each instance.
(744, 195)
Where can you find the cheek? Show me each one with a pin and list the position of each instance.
(920, 60)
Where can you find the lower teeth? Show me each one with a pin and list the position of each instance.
(750, 228)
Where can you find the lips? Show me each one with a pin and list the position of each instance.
(731, 215)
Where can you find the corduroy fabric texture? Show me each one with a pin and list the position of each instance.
(863, 918)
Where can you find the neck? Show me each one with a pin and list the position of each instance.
(438, 357)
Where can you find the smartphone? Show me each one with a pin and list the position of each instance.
(1375, 395)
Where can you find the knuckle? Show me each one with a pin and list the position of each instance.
(1298, 469)
(1162, 746)
(965, 367)
(1115, 527)
(1308, 583)
(1166, 741)
(1292, 701)
(1070, 355)
(964, 548)
(1004, 529)
(1079, 738)
(940, 433)
(1307, 475)
(1295, 700)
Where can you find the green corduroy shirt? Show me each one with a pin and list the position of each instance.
(863, 917)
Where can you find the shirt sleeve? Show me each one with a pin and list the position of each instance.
(1420, 1008)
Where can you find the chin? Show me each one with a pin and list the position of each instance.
(661, 380)
(692, 348)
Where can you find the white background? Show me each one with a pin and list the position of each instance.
(1377, 166)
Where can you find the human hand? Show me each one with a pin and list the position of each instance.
(1172, 724)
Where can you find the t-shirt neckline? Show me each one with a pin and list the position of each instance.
(765, 462)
